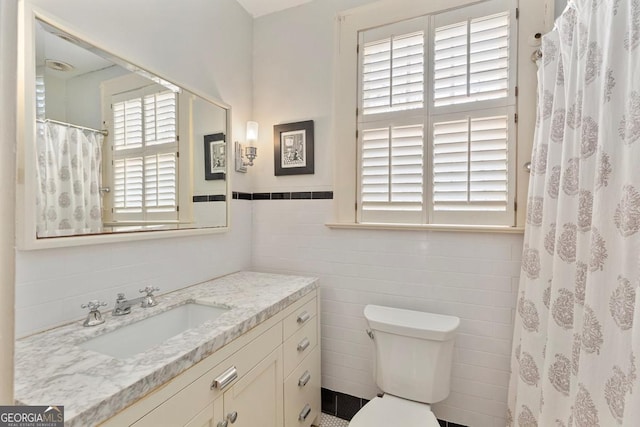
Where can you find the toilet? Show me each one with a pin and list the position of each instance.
(413, 354)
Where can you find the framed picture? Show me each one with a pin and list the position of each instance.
(293, 148)
(215, 156)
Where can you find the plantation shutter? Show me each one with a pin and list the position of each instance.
(392, 172)
(393, 74)
(435, 127)
(471, 169)
(145, 155)
(471, 60)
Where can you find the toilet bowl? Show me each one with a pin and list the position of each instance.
(413, 356)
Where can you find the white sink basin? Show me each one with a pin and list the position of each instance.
(140, 336)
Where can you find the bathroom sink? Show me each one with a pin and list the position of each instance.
(140, 336)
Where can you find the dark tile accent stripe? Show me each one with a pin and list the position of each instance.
(294, 195)
(301, 195)
(280, 196)
(329, 401)
(322, 195)
(345, 406)
(261, 196)
(210, 198)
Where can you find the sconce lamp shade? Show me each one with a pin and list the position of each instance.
(252, 132)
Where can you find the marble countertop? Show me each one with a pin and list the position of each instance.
(51, 369)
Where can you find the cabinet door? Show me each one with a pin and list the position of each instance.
(256, 400)
(209, 416)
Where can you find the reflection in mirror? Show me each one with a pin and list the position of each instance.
(119, 149)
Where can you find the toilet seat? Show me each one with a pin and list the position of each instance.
(394, 411)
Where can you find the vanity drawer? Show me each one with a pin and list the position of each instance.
(302, 388)
(182, 406)
(301, 313)
(299, 345)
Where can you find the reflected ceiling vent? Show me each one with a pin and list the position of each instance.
(67, 37)
(58, 65)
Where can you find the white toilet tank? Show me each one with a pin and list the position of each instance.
(413, 352)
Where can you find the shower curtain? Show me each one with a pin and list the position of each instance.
(68, 173)
(576, 341)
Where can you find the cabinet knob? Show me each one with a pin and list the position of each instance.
(222, 424)
(232, 416)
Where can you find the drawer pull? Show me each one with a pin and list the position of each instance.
(305, 412)
(304, 379)
(225, 379)
(232, 417)
(303, 317)
(303, 345)
(223, 423)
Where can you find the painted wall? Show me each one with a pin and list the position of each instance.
(470, 275)
(208, 46)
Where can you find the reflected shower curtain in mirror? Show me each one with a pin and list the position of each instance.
(576, 341)
(68, 175)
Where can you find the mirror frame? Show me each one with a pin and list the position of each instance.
(26, 238)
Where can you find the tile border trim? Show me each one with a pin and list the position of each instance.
(288, 195)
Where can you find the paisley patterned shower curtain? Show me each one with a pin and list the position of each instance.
(576, 342)
(69, 163)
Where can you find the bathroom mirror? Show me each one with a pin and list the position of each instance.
(108, 148)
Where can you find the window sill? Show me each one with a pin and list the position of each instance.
(429, 227)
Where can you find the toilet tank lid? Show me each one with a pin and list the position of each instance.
(418, 324)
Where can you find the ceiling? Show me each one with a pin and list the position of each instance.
(264, 7)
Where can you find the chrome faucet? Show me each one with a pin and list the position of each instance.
(123, 305)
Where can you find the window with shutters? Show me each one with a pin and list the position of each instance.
(144, 150)
(435, 122)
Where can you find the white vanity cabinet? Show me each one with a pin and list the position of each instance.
(267, 377)
(301, 330)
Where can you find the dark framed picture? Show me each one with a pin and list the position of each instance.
(293, 148)
(215, 156)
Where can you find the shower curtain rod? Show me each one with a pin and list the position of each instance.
(103, 131)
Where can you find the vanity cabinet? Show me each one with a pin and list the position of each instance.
(267, 377)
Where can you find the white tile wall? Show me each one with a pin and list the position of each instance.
(51, 284)
(470, 275)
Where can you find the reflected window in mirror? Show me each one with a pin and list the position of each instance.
(141, 165)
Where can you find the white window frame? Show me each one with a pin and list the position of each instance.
(350, 24)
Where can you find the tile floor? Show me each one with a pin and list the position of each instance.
(330, 421)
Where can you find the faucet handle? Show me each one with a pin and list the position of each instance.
(94, 305)
(94, 317)
(149, 290)
(149, 300)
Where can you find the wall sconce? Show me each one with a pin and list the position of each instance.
(246, 154)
